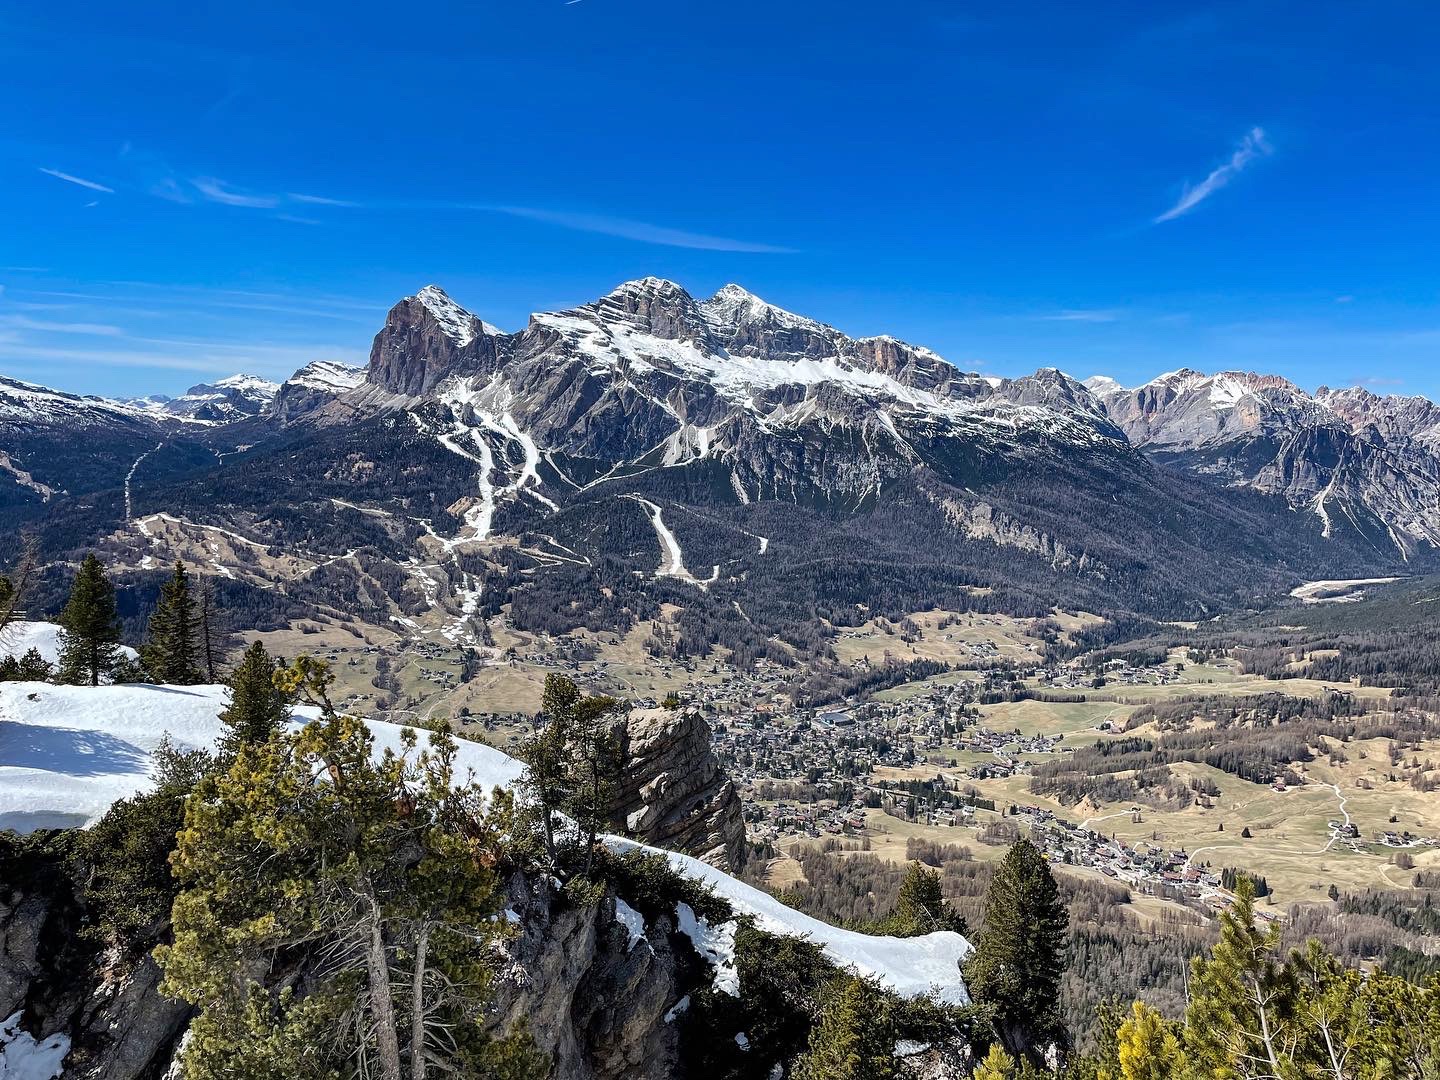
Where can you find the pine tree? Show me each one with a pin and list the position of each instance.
(854, 1038)
(595, 754)
(381, 873)
(1019, 956)
(89, 627)
(1239, 996)
(258, 710)
(996, 1065)
(32, 667)
(573, 762)
(1255, 1016)
(212, 639)
(1148, 1046)
(922, 907)
(171, 653)
(546, 779)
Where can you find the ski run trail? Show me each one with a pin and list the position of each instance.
(129, 476)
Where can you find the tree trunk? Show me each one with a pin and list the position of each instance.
(417, 1006)
(382, 1006)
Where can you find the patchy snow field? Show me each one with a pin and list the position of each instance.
(68, 752)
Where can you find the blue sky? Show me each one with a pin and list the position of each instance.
(194, 189)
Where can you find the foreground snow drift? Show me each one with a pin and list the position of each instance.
(68, 752)
(909, 966)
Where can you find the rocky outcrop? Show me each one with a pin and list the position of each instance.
(674, 792)
(592, 995)
(981, 521)
(312, 388)
(117, 1023)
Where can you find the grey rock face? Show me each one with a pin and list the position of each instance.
(1358, 462)
(592, 1000)
(674, 792)
(120, 1026)
(312, 388)
(425, 338)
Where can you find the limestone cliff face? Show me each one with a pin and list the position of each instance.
(592, 997)
(426, 337)
(119, 1025)
(674, 793)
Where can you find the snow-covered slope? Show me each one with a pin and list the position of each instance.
(909, 966)
(32, 405)
(20, 637)
(67, 753)
(312, 387)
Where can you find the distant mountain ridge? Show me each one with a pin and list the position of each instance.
(780, 474)
(1352, 458)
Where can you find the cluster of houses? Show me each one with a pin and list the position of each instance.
(1117, 672)
(1146, 867)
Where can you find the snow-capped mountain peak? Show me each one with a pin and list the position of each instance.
(457, 323)
(734, 305)
(329, 375)
(230, 398)
(250, 385)
(1103, 386)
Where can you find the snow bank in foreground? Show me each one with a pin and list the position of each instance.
(23, 1057)
(68, 752)
(909, 966)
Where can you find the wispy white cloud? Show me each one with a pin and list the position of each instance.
(639, 231)
(16, 351)
(23, 322)
(1252, 146)
(217, 191)
(70, 179)
(169, 189)
(210, 357)
(318, 200)
(1082, 315)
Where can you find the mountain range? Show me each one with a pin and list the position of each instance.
(772, 474)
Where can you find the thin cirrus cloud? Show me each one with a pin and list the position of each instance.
(1082, 316)
(1252, 146)
(22, 322)
(640, 231)
(219, 192)
(70, 178)
(319, 200)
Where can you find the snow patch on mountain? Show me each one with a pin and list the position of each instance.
(327, 375)
(24, 1057)
(44, 637)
